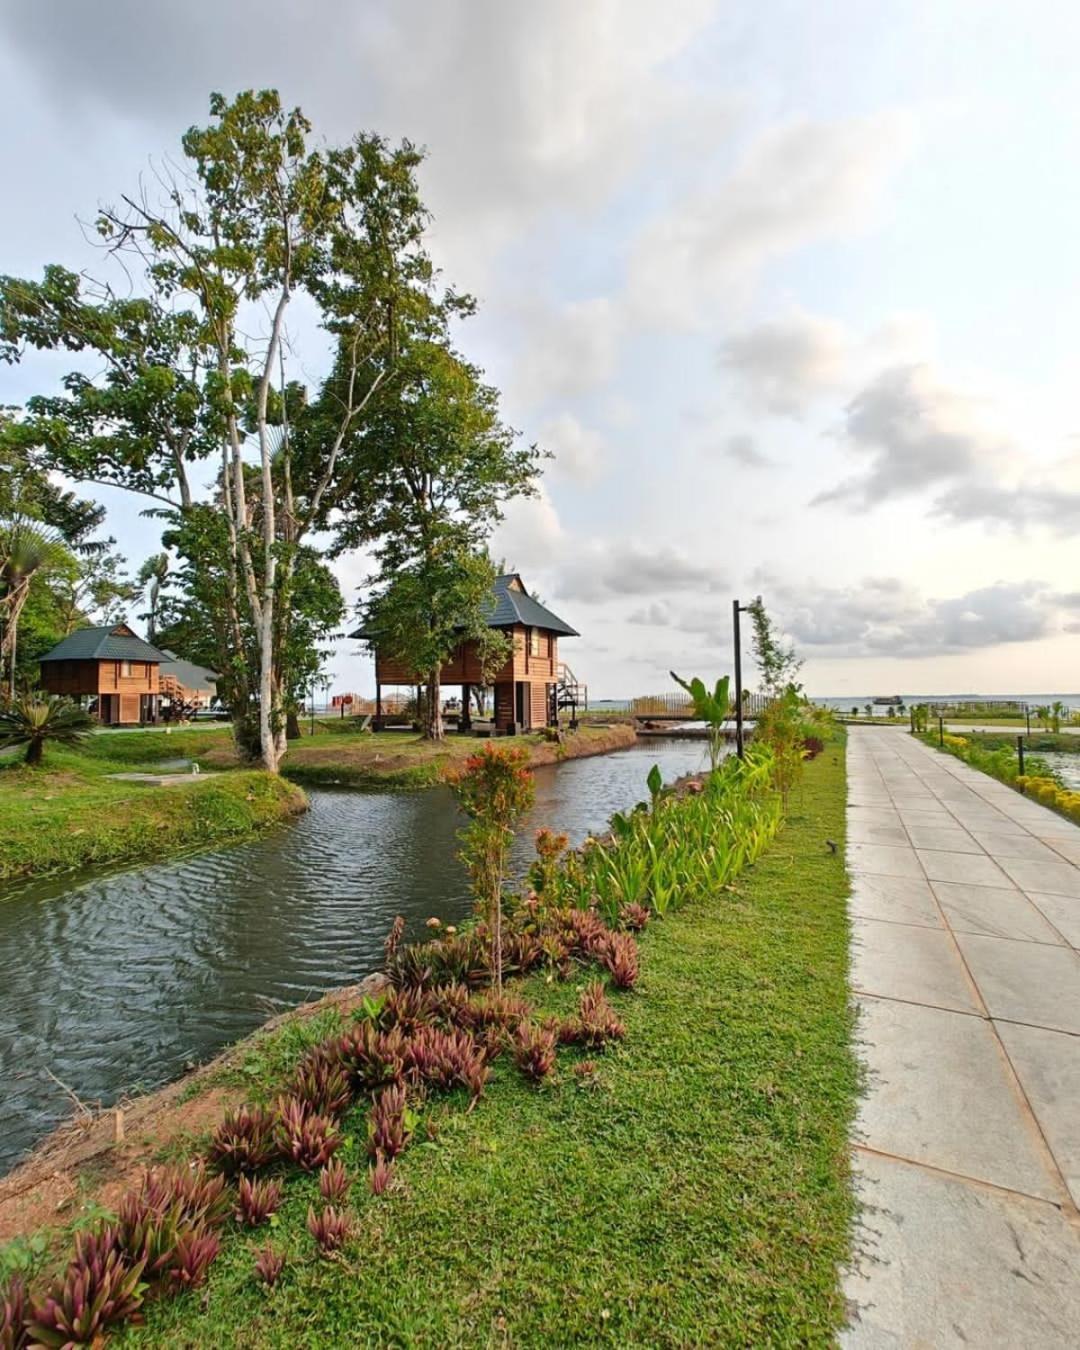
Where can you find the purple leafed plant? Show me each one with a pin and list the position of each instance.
(621, 958)
(388, 1127)
(192, 1257)
(380, 1175)
(329, 1228)
(98, 1289)
(13, 1314)
(256, 1201)
(534, 1051)
(372, 1058)
(303, 1135)
(334, 1182)
(323, 1082)
(596, 1022)
(268, 1266)
(634, 917)
(243, 1142)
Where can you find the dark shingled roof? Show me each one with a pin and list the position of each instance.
(517, 606)
(188, 673)
(114, 643)
(511, 605)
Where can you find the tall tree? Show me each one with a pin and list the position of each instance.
(197, 366)
(433, 468)
(150, 578)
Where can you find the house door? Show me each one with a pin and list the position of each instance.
(521, 705)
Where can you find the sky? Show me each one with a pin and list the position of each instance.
(789, 292)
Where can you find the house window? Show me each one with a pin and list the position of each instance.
(534, 641)
(125, 668)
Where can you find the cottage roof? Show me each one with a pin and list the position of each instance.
(115, 642)
(511, 604)
(187, 673)
(514, 604)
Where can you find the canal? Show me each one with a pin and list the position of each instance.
(116, 982)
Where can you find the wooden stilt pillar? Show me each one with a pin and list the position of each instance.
(378, 706)
(465, 721)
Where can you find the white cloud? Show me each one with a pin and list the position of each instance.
(794, 185)
(580, 452)
(600, 571)
(743, 450)
(784, 366)
(568, 350)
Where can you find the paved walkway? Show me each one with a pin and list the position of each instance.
(966, 921)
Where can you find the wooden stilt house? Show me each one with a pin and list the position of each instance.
(526, 689)
(116, 670)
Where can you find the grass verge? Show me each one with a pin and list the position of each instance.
(70, 814)
(696, 1191)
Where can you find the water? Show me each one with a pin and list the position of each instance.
(114, 982)
(1066, 765)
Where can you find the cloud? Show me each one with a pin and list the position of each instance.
(743, 450)
(916, 432)
(784, 366)
(520, 115)
(1019, 505)
(885, 617)
(569, 350)
(794, 185)
(604, 571)
(580, 453)
(655, 615)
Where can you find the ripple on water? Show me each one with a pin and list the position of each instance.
(113, 982)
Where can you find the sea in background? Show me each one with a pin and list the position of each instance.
(846, 702)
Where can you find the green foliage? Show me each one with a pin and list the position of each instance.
(713, 708)
(776, 660)
(494, 789)
(38, 721)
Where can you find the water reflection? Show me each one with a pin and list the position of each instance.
(114, 982)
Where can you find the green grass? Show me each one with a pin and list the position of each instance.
(68, 813)
(698, 1193)
(1038, 742)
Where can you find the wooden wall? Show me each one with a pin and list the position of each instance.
(100, 677)
(464, 667)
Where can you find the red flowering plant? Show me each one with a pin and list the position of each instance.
(494, 789)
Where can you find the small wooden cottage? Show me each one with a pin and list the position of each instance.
(111, 666)
(525, 688)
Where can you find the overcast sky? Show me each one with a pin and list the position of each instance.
(789, 290)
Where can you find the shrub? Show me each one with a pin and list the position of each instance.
(195, 1251)
(812, 746)
(334, 1182)
(100, 1287)
(461, 959)
(268, 1266)
(389, 1123)
(587, 934)
(256, 1201)
(323, 1082)
(13, 1313)
(305, 1136)
(187, 1194)
(243, 1141)
(329, 1228)
(534, 1051)
(620, 958)
(407, 1008)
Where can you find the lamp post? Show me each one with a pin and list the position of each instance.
(736, 610)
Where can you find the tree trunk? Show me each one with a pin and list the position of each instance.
(292, 725)
(34, 750)
(433, 723)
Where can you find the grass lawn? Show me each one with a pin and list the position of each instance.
(696, 1193)
(69, 813)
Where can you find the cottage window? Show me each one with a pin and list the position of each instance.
(534, 642)
(125, 668)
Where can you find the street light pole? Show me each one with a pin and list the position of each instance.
(736, 610)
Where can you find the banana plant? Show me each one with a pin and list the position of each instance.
(712, 709)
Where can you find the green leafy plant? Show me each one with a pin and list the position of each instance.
(711, 708)
(39, 720)
(494, 789)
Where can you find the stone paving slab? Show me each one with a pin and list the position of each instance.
(967, 1143)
